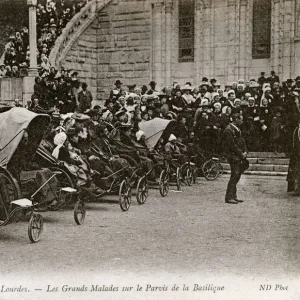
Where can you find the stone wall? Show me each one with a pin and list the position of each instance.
(83, 57)
(137, 41)
(123, 40)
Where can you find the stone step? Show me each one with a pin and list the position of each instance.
(262, 167)
(261, 173)
(266, 161)
(266, 155)
(269, 161)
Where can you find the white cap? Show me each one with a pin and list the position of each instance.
(172, 138)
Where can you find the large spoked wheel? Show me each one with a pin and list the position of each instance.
(79, 212)
(142, 190)
(195, 175)
(178, 178)
(210, 169)
(188, 176)
(63, 179)
(9, 191)
(164, 183)
(35, 227)
(125, 195)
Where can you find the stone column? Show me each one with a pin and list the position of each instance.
(242, 41)
(157, 41)
(198, 40)
(288, 28)
(231, 43)
(168, 59)
(28, 82)
(207, 51)
(32, 37)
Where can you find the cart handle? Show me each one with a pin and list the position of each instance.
(46, 182)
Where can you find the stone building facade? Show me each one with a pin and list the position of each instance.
(142, 40)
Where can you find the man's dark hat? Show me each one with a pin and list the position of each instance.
(118, 82)
(290, 80)
(163, 96)
(150, 98)
(93, 112)
(262, 73)
(125, 127)
(206, 105)
(73, 131)
(80, 117)
(297, 78)
(56, 116)
(277, 109)
(205, 79)
(120, 113)
(108, 101)
(131, 86)
(213, 80)
(74, 73)
(152, 83)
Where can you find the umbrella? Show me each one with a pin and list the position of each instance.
(155, 129)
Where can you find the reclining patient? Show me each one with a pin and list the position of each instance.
(173, 150)
(71, 158)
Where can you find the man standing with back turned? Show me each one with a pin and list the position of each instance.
(236, 152)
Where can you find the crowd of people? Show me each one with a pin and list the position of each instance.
(52, 17)
(270, 110)
(83, 134)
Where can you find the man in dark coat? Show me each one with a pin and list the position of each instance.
(273, 78)
(85, 98)
(262, 79)
(236, 152)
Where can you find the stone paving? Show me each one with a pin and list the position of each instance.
(192, 232)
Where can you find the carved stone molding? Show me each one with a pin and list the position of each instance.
(169, 7)
(206, 3)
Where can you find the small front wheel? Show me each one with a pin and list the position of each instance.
(125, 195)
(188, 176)
(164, 183)
(142, 191)
(195, 175)
(178, 178)
(35, 227)
(211, 169)
(79, 212)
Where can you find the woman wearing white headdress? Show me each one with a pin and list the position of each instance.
(59, 141)
(266, 95)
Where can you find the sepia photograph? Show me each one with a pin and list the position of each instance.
(150, 149)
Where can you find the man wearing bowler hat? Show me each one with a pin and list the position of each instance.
(152, 88)
(115, 93)
(288, 87)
